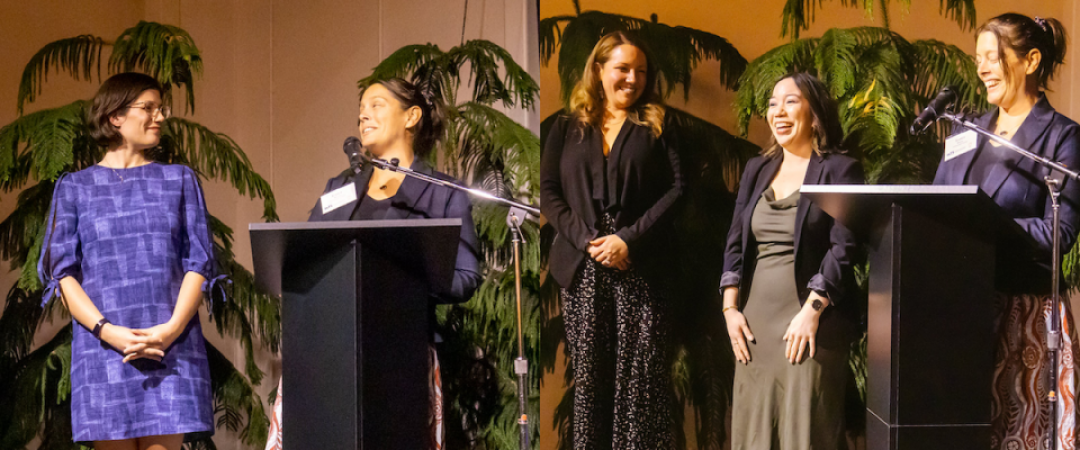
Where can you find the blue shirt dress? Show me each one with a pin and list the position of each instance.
(129, 236)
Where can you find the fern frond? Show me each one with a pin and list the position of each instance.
(13, 138)
(756, 84)
(797, 15)
(485, 58)
(550, 36)
(213, 155)
(53, 138)
(836, 61)
(936, 65)
(504, 142)
(22, 316)
(164, 52)
(79, 57)
(26, 395)
(234, 399)
(427, 65)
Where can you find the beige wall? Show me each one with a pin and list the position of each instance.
(280, 78)
(754, 28)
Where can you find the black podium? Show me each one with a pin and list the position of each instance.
(355, 332)
(933, 254)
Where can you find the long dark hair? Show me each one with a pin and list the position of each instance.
(1022, 34)
(433, 116)
(828, 134)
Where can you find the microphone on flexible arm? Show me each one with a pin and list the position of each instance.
(352, 149)
(944, 99)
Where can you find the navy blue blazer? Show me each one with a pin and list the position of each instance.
(824, 249)
(417, 199)
(1017, 185)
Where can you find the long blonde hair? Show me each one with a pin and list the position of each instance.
(587, 99)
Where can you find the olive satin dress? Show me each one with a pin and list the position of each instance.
(778, 405)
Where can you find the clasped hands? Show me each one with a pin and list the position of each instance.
(610, 251)
(800, 336)
(149, 343)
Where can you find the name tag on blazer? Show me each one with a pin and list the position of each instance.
(960, 144)
(338, 197)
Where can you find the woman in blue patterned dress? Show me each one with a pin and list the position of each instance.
(128, 251)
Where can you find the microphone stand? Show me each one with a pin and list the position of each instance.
(1053, 183)
(519, 212)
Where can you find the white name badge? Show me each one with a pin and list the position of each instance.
(338, 197)
(959, 144)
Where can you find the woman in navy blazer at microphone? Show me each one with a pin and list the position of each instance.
(788, 278)
(398, 120)
(1015, 57)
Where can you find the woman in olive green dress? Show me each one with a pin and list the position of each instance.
(787, 276)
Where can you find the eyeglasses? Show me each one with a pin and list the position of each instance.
(153, 109)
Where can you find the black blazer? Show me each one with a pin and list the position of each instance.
(639, 188)
(824, 249)
(416, 199)
(1017, 185)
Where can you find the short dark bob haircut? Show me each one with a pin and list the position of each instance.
(115, 94)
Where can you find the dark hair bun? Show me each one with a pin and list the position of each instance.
(1022, 34)
(428, 132)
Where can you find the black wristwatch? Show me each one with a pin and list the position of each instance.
(97, 328)
(817, 305)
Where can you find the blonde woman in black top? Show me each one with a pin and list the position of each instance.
(610, 180)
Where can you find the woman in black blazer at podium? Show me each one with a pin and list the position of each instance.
(609, 180)
(399, 121)
(788, 277)
(1015, 57)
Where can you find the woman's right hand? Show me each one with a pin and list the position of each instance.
(739, 332)
(131, 343)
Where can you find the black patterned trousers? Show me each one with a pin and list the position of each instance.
(617, 331)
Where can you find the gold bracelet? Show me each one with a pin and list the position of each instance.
(729, 307)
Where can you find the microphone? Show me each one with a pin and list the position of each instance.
(944, 99)
(352, 149)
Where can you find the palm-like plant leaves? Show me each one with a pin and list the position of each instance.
(38, 147)
(487, 149)
(29, 389)
(440, 72)
(214, 155)
(164, 52)
(797, 15)
(880, 80)
(485, 58)
(678, 50)
(488, 136)
(79, 56)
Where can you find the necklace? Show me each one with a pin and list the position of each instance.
(117, 174)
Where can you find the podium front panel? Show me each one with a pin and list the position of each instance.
(930, 318)
(356, 300)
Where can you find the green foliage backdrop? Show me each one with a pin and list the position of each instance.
(35, 150)
(881, 81)
(487, 149)
(481, 145)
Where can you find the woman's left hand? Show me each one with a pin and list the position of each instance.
(802, 331)
(160, 338)
(610, 251)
